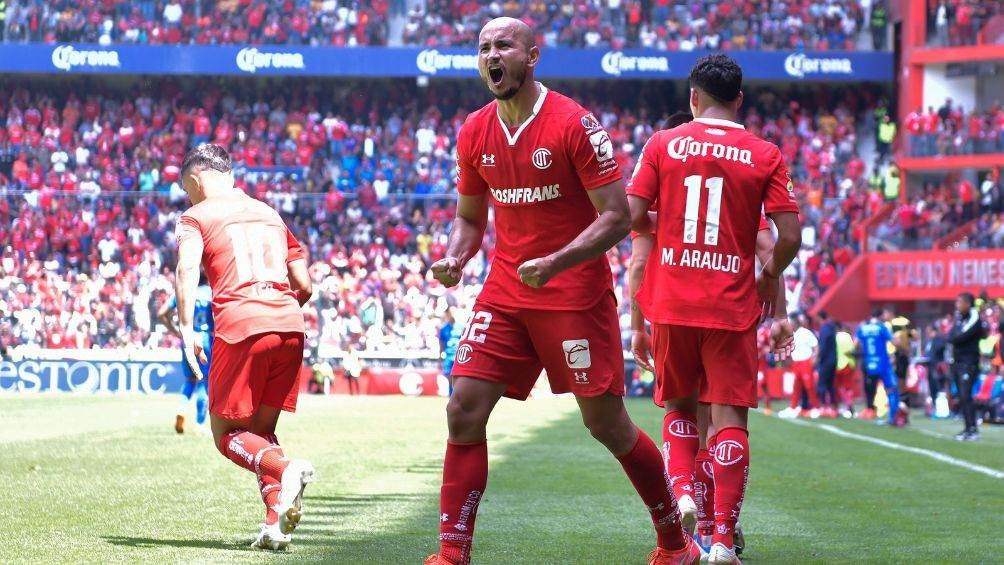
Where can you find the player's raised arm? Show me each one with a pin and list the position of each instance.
(190, 247)
(611, 225)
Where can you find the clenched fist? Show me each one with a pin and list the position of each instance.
(447, 271)
(536, 272)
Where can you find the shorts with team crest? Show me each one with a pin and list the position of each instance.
(580, 349)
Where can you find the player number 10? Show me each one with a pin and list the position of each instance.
(714, 186)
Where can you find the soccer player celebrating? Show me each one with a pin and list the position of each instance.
(710, 179)
(195, 385)
(548, 167)
(258, 275)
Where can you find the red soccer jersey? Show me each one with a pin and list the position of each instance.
(711, 180)
(538, 177)
(247, 248)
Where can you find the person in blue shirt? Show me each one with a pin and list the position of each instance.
(196, 387)
(873, 338)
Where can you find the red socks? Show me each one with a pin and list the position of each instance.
(465, 476)
(644, 467)
(704, 492)
(679, 436)
(731, 462)
(254, 453)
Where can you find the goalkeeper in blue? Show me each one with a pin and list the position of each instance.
(873, 338)
(196, 387)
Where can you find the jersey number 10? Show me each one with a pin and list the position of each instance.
(714, 186)
(257, 252)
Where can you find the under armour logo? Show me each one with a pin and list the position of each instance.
(488, 159)
(582, 378)
(445, 517)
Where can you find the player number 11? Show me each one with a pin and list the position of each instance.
(256, 253)
(714, 186)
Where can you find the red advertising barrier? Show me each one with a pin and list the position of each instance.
(407, 382)
(934, 275)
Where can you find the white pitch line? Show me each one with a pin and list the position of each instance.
(937, 456)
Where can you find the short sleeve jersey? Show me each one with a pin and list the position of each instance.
(537, 178)
(712, 182)
(247, 248)
(875, 338)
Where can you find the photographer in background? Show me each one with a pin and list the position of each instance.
(965, 336)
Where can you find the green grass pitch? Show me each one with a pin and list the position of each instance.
(106, 480)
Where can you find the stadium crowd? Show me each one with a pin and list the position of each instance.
(951, 130)
(961, 22)
(92, 194)
(160, 22)
(680, 26)
(769, 24)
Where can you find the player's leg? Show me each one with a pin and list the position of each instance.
(681, 442)
(871, 389)
(494, 358)
(582, 353)
(704, 476)
(187, 390)
(608, 422)
(730, 362)
(891, 384)
(201, 402)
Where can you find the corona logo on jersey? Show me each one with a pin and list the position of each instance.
(682, 148)
(682, 428)
(614, 63)
(251, 59)
(798, 65)
(527, 195)
(431, 61)
(65, 57)
(729, 452)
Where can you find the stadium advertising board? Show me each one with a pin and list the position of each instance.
(934, 275)
(90, 372)
(411, 62)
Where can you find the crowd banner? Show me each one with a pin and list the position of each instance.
(934, 275)
(92, 372)
(291, 60)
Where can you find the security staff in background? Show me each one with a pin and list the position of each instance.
(965, 336)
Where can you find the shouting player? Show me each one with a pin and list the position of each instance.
(195, 384)
(547, 166)
(258, 274)
(689, 468)
(710, 180)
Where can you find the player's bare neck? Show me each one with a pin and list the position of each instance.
(719, 113)
(519, 108)
(222, 191)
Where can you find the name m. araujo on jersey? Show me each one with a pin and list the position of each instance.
(682, 148)
(526, 195)
(700, 259)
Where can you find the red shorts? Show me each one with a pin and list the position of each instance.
(719, 366)
(262, 369)
(580, 349)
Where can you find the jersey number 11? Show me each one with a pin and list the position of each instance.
(714, 186)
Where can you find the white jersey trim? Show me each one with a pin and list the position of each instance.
(719, 122)
(512, 138)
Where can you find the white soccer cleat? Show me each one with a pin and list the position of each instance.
(295, 478)
(688, 513)
(721, 555)
(789, 413)
(271, 538)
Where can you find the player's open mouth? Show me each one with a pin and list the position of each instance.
(495, 74)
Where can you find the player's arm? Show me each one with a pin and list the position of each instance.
(466, 235)
(781, 207)
(166, 317)
(299, 280)
(296, 269)
(641, 248)
(610, 226)
(782, 336)
(190, 248)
